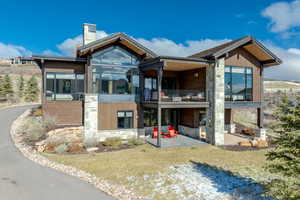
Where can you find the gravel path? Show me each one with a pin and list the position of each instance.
(22, 179)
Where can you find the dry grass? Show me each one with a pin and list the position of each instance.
(147, 160)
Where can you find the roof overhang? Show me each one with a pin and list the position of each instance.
(171, 63)
(39, 58)
(257, 49)
(120, 38)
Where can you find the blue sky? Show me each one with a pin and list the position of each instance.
(167, 27)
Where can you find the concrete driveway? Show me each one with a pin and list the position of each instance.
(22, 179)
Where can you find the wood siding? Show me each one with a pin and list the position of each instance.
(65, 112)
(64, 67)
(190, 82)
(242, 58)
(107, 114)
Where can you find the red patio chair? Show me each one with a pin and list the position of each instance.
(154, 132)
(171, 132)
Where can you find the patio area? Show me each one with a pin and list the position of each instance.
(179, 141)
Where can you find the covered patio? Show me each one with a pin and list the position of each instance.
(177, 84)
(179, 141)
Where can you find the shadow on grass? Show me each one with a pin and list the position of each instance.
(241, 188)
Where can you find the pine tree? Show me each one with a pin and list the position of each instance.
(285, 156)
(7, 85)
(32, 90)
(21, 86)
(2, 94)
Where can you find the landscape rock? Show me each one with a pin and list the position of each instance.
(245, 144)
(92, 149)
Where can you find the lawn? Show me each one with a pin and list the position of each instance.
(144, 161)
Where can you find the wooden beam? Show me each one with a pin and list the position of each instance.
(155, 66)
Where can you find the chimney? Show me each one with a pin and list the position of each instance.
(89, 33)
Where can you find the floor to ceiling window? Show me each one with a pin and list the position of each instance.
(238, 83)
(115, 72)
(64, 86)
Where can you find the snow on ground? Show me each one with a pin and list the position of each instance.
(201, 182)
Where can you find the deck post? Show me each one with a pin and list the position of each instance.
(159, 80)
(260, 110)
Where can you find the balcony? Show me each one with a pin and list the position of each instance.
(177, 98)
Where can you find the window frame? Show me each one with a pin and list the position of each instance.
(246, 74)
(132, 118)
(55, 84)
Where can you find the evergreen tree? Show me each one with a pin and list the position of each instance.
(21, 86)
(285, 156)
(32, 90)
(7, 86)
(1, 87)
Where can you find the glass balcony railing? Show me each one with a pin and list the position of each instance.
(181, 95)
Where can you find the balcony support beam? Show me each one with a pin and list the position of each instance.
(159, 81)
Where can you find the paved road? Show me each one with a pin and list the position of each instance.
(22, 179)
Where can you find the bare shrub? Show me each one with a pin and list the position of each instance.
(49, 123)
(33, 130)
(63, 148)
(113, 142)
(135, 142)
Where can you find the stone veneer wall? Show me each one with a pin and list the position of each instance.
(90, 119)
(215, 94)
(102, 135)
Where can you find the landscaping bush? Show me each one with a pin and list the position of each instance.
(34, 130)
(135, 142)
(63, 148)
(49, 123)
(37, 112)
(113, 142)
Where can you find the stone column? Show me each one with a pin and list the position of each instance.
(90, 119)
(209, 97)
(215, 93)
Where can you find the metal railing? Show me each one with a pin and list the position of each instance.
(180, 95)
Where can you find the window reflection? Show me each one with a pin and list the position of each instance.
(115, 72)
(238, 83)
(114, 55)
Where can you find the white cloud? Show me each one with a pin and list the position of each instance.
(290, 69)
(68, 46)
(163, 46)
(10, 51)
(283, 15)
(49, 52)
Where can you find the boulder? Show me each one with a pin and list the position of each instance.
(245, 144)
(262, 143)
(75, 148)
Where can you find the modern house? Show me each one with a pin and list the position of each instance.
(117, 87)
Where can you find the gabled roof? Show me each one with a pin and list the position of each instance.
(249, 43)
(116, 37)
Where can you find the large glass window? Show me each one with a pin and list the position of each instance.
(238, 83)
(150, 117)
(116, 80)
(114, 55)
(115, 72)
(150, 89)
(64, 86)
(125, 119)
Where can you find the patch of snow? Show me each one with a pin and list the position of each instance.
(197, 181)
